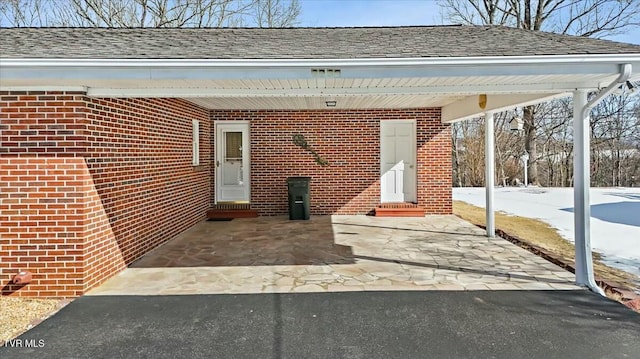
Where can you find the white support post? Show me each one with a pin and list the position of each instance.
(526, 168)
(581, 183)
(489, 159)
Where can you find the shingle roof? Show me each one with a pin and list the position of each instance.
(295, 43)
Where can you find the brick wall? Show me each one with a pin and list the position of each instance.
(434, 165)
(39, 123)
(350, 141)
(139, 155)
(42, 220)
(89, 185)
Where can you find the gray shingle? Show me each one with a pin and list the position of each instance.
(295, 43)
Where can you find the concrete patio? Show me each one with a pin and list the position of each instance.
(335, 254)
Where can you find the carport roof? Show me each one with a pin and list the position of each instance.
(445, 67)
(295, 43)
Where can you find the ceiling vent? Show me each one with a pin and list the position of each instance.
(325, 73)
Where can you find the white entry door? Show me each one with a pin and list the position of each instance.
(398, 161)
(232, 161)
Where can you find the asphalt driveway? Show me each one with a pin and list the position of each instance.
(400, 324)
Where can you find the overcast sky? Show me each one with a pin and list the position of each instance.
(386, 13)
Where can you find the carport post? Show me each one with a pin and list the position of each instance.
(581, 183)
(489, 159)
(582, 177)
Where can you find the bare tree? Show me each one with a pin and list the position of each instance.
(149, 13)
(456, 152)
(615, 128)
(24, 13)
(276, 13)
(154, 13)
(469, 153)
(591, 18)
(553, 121)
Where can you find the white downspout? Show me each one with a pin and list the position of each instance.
(489, 158)
(582, 178)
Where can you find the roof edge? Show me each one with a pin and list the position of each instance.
(421, 61)
(246, 27)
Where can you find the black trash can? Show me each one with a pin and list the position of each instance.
(299, 207)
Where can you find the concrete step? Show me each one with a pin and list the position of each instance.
(230, 213)
(400, 209)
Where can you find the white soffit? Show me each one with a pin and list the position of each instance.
(319, 102)
(451, 83)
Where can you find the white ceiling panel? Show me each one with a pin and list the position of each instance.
(318, 103)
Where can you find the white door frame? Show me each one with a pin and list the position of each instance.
(413, 160)
(244, 127)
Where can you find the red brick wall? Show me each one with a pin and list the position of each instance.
(434, 165)
(350, 141)
(42, 219)
(89, 185)
(39, 123)
(140, 160)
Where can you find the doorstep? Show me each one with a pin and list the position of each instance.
(230, 211)
(399, 209)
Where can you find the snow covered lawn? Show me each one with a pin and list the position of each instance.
(615, 216)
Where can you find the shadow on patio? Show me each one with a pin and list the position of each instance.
(252, 242)
(335, 253)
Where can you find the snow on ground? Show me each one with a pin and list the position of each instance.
(615, 216)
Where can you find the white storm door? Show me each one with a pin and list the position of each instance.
(397, 161)
(232, 161)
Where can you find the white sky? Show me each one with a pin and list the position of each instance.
(387, 13)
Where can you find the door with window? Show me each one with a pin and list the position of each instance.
(398, 161)
(232, 162)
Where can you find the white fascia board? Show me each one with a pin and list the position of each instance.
(164, 69)
(237, 73)
(261, 63)
(469, 107)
